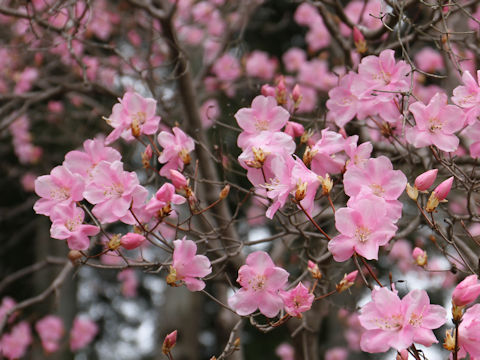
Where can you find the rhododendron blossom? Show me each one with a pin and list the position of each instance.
(467, 96)
(394, 323)
(469, 333)
(261, 282)
(188, 267)
(466, 291)
(82, 333)
(364, 227)
(67, 224)
(297, 300)
(60, 187)
(113, 190)
(176, 150)
(133, 116)
(436, 124)
(14, 345)
(50, 328)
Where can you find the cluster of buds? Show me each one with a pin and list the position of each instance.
(347, 281)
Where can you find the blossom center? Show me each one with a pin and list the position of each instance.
(261, 124)
(139, 117)
(258, 282)
(60, 194)
(377, 189)
(362, 233)
(415, 319)
(395, 322)
(434, 124)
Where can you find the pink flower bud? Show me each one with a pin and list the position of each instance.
(169, 342)
(466, 291)
(294, 129)
(131, 241)
(402, 355)
(442, 190)
(314, 270)
(268, 90)
(178, 180)
(359, 41)
(347, 281)
(296, 96)
(148, 152)
(420, 256)
(425, 180)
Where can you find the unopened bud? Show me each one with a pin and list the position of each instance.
(402, 355)
(224, 192)
(420, 256)
(296, 96)
(449, 342)
(281, 91)
(236, 343)
(74, 256)
(439, 194)
(115, 242)
(314, 270)
(359, 41)
(268, 90)
(146, 156)
(294, 129)
(412, 192)
(178, 180)
(169, 342)
(347, 281)
(131, 241)
(425, 180)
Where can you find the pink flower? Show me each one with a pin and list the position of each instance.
(336, 353)
(112, 191)
(342, 104)
(466, 291)
(318, 37)
(83, 162)
(436, 124)
(306, 14)
(468, 96)
(294, 129)
(14, 345)
(129, 282)
(209, 112)
(261, 282)
(294, 58)
(263, 115)
(133, 116)
(67, 224)
(426, 179)
(442, 190)
(315, 74)
(7, 304)
(188, 267)
(163, 199)
(429, 60)
(285, 352)
(60, 187)
(347, 282)
(297, 300)
(381, 73)
(178, 179)
(50, 329)
(227, 68)
(377, 178)
(394, 323)
(83, 332)
(259, 65)
(324, 153)
(469, 333)
(176, 150)
(131, 241)
(358, 155)
(364, 227)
